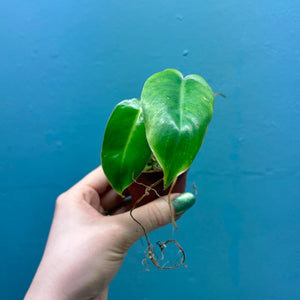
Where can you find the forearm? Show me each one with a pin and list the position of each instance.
(103, 295)
(38, 290)
(44, 287)
(51, 283)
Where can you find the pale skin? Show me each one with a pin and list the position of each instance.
(85, 247)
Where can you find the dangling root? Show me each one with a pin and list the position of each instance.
(194, 187)
(150, 251)
(151, 254)
(219, 94)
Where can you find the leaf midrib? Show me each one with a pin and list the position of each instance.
(129, 136)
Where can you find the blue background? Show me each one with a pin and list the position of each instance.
(66, 64)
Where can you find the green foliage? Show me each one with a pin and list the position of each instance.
(177, 112)
(171, 119)
(125, 150)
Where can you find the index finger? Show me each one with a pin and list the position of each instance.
(96, 180)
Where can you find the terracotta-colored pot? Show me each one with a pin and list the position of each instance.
(136, 190)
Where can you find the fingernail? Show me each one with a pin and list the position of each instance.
(183, 202)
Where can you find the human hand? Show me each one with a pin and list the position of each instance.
(86, 248)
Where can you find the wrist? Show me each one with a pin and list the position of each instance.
(45, 285)
(40, 291)
(48, 284)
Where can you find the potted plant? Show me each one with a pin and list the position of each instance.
(161, 132)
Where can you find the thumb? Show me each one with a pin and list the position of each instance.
(156, 214)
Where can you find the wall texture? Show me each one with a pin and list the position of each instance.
(65, 65)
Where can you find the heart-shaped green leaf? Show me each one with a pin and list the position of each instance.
(177, 112)
(125, 151)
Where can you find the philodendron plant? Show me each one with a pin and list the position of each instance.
(163, 130)
(168, 125)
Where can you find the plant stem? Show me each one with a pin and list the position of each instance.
(170, 206)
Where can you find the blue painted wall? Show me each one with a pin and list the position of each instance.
(65, 65)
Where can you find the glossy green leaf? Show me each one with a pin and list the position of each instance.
(125, 150)
(177, 112)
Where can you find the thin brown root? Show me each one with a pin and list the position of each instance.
(150, 253)
(147, 190)
(194, 187)
(219, 94)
